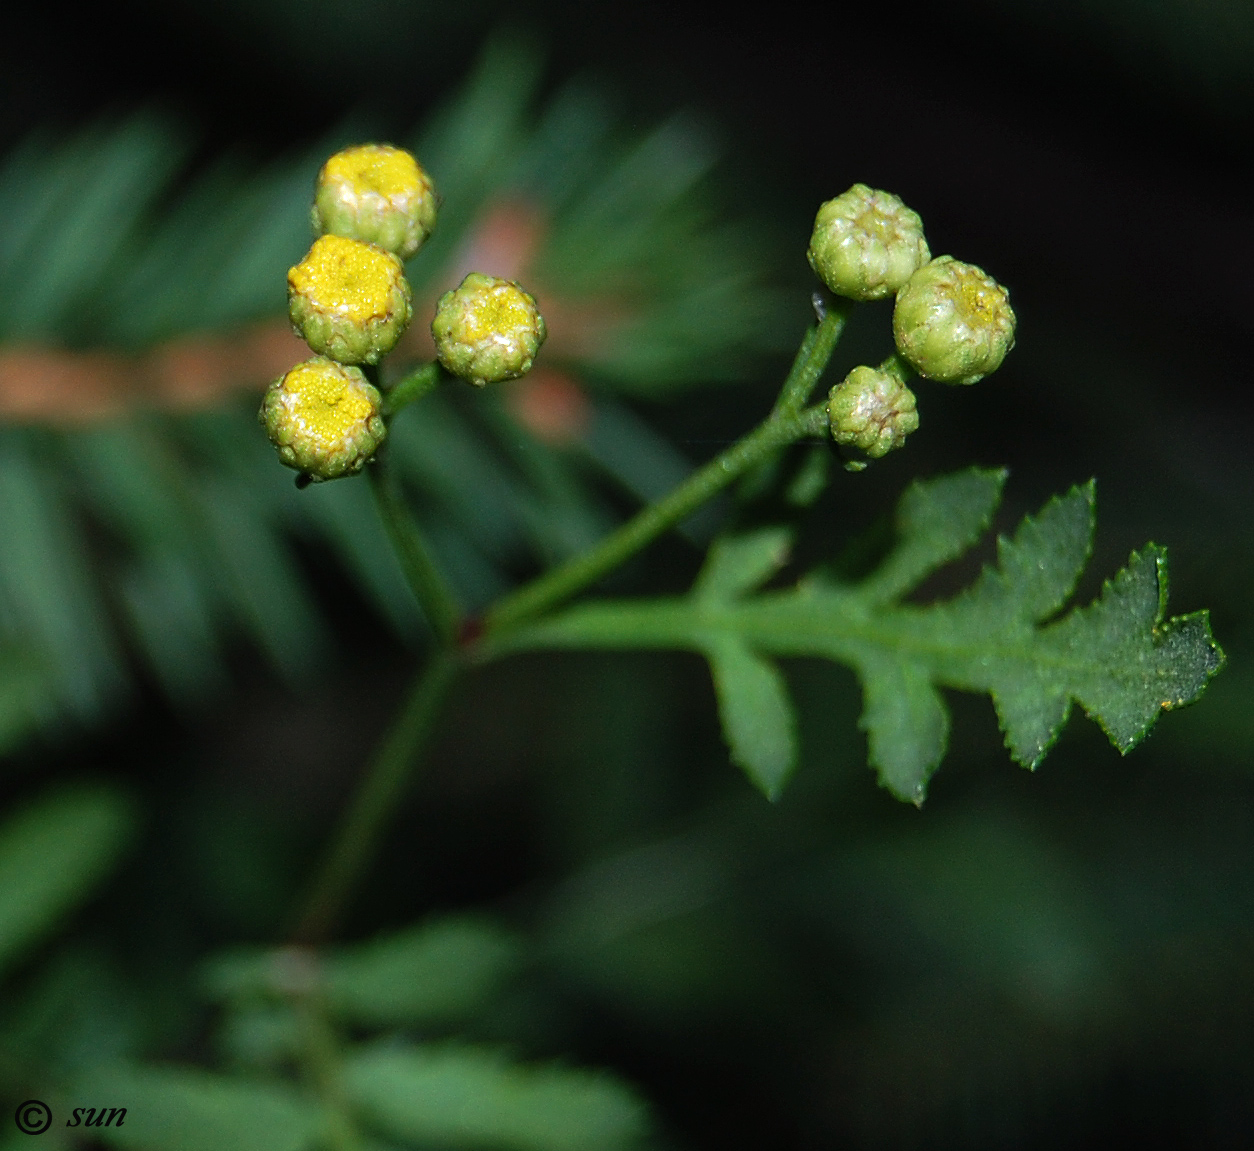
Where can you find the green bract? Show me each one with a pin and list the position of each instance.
(953, 322)
(872, 411)
(866, 244)
(487, 330)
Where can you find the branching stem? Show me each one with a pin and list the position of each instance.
(816, 349)
(782, 428)
(412, 387)
(385, 782)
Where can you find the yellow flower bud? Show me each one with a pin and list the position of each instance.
(873, 411)
(349, 300)
(377, 193)
(487, 330)
(866, 244)
(324, 419)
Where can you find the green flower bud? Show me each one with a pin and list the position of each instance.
(377, 193)
(866, 244)
(953, 323)
(349, 300)
(487, 330)
(324, 419)
(872, 411)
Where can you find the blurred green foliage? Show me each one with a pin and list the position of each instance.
(190, 523)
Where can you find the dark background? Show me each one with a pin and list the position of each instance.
(1091, 157)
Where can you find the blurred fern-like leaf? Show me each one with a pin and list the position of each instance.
(52, 853)
(141, 306)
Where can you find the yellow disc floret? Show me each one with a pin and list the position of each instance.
(352, 279)
(377, 169)
(377, 193)
(328, 406)
(349, 299)
(324, 419)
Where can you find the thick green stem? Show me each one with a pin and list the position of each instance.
(778, 431)
(382, 790)
(425, 580)
(412, 387)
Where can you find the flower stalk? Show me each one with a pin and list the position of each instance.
(357, 841)
(559, 584)
(428, 585)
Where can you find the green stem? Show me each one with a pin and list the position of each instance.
(320, 1059)
(787, 423)
(425, 580)
(778, 431)
(412, 387)
(811, 360)
(376, 799)
(896, 367)
(385, 783)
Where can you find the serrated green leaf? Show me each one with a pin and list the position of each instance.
(471, 1097)
(53, 852)
(756, 713)
(1038, 567)
(1120, 658)
(937, 520)
(181, 1109)
(1139, 673)
(736, 565)
(906, 722)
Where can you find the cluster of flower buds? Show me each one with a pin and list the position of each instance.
(349, 300)
(951, 321)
